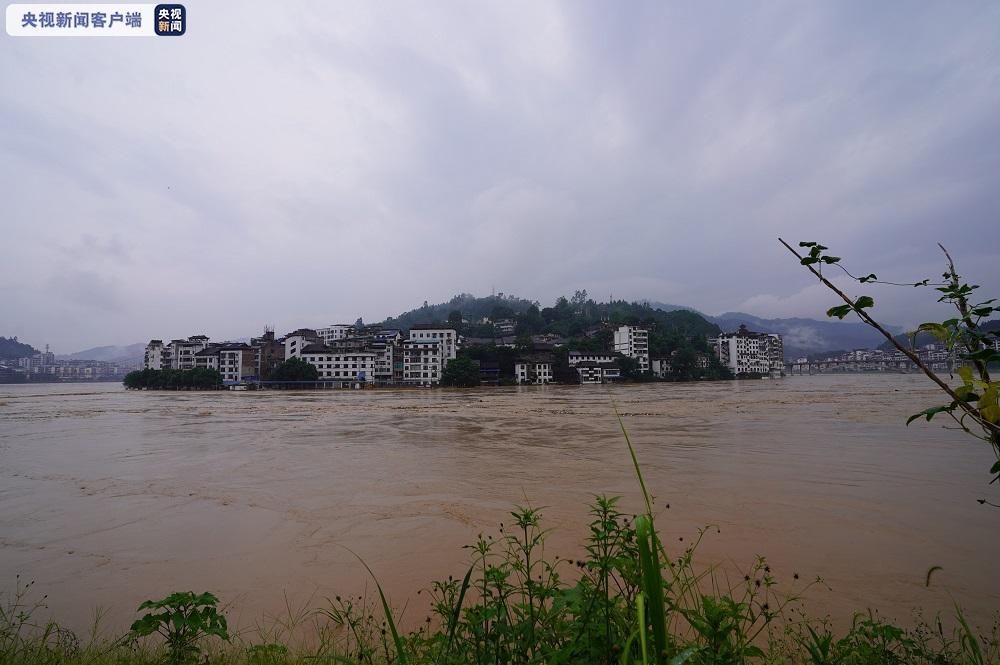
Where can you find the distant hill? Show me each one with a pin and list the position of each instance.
(471, 307)
(120, 354)
(803, 337)
(12, 349)
(666, 307)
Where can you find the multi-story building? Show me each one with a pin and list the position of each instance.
(182, 351)
(660, 367)
(384, 353)
(298, 340)
(153, 358)
(448, 337)
(423, 361)
(334, 332)
(533, 370)
(237, 363)
(333, 365)
(505, 327)
(746, 352)
(633, 342)
(577, 357)
(208, 358)
(598, 372)
(178, 354)
(268, 353)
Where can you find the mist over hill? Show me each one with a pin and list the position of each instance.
(119, 354)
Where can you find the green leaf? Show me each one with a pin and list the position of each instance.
(936, 329)
(996, 467)
(864, 301)
(868, 278)
(807, 244)
(840, 311)
(984, 356)
(930, 413)
(809, 260)
(831, 259)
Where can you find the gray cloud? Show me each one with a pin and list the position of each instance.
(356, 159)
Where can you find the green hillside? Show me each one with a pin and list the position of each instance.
(11, 349)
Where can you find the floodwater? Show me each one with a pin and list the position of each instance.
(109, 497)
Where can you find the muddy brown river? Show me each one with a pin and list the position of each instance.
(109, 497)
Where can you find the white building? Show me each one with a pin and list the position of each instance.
(533, 370)
(595, 372)
(334, 332)
(153, 358)
(345, 366)
(182, 351)
(633, 342)
(178, 354)
(237, 363)
(505, 327)
(298, 340)
(384, 355)
(746, 352)
(660, 367)
(577, 357)
(448, 337)
(207, 357)
(423, 361)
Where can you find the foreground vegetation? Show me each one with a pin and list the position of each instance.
(627, 601)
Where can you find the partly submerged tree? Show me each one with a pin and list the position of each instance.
(294, 369)
(461, 372)
(975, 405)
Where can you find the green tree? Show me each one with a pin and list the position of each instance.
(461, 372)
(295, 369)
(455, 319)
(684, 364)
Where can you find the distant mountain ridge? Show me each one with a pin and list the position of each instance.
(116, 354)
(801, 336)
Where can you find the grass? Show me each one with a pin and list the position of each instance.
(628, 601)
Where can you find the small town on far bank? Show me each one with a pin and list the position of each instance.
(490, 341)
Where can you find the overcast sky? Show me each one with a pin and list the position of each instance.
(298, 164)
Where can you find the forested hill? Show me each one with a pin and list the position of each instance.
(11, 349)
(568, 317)
(471, 307)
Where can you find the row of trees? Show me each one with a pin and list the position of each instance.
(200, 378)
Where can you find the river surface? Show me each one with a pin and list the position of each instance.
(110, 497)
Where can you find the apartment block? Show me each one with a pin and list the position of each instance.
(747, 352)
(633, 342)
